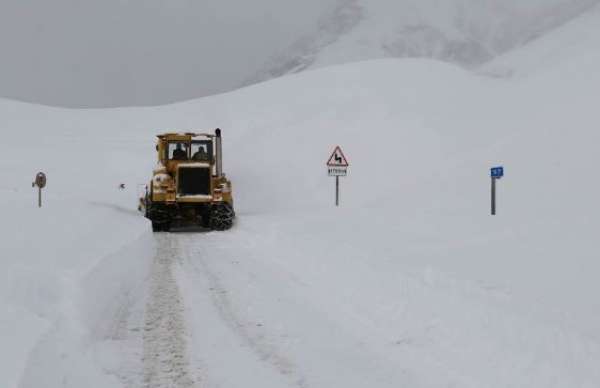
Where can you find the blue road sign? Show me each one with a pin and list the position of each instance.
(497, 172)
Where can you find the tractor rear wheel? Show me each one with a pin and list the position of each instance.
(221, 216)
(160, 226)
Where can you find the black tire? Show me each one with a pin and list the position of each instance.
(221, 217)
(205, 221)
(160, 226)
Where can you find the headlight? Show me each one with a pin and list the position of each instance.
(224, 188)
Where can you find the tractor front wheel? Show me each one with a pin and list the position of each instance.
(221, 216)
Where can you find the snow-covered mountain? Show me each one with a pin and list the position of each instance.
(573, 39)
(409, 283)
(466, 32)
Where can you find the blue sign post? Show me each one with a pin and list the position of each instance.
(496, 173)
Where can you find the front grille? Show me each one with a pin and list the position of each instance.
(193, 181)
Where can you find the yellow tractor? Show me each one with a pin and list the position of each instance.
(188, 185)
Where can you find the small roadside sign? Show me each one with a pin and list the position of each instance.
(337, 166)
(40, 182)
(337, 158)
(337, 171)
(497, 172)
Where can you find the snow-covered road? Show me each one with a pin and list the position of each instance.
(184, 330)
(165, 340)
(219, 314)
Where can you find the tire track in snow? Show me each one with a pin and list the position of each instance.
(227, 312)
(165, 359)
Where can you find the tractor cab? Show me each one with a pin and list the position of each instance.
(175, 148)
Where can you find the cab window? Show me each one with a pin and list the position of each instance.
(178, 151)
(202, 151)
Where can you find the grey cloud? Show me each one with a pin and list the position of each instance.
(138, 52)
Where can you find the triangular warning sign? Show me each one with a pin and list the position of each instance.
(337, 158)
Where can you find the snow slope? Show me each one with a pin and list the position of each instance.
(466, 32)
(409, 283)
(571, 40)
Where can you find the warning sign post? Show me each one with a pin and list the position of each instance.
(337, 166)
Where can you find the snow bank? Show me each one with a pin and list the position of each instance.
(47, 251)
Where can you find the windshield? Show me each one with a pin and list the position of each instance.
(178, 151)
(202, 150)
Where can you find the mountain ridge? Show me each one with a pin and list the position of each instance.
(467, 32)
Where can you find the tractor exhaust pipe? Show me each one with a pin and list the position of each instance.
(219, 146)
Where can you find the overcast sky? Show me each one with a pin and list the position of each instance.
(138, 52)
(98, 53)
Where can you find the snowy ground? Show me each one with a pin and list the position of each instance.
(410, 283)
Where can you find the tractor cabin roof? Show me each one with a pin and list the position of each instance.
(188, 136)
